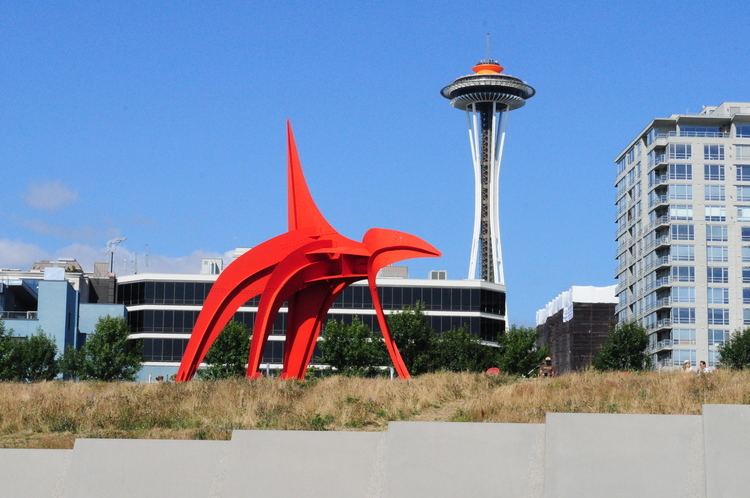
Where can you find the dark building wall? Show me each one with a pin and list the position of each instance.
(573, 344)
(354, 297)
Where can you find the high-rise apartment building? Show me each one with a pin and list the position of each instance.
(683, 232)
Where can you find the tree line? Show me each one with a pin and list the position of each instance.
(107, 355)
(355, 349)
(349, 349)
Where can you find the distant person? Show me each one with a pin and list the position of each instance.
(702, 367)
(686, 366)
(547, 369)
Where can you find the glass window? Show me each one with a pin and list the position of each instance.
(717, 274)
(743, 172)
(681, 192)
(743, 131)
(743, 193)
(681, 355)
(683, 253)
(745, 234)
(745, 275)
(682, 232)
(714, 193)
(718, 316)
(717, 336)
(681, 212)
(713, 152)
(717, 295)
(743, 213)
(746, 316)
(746, 295)
(683, 315)
(716, 213)
(683, 294)
(680, 171)
(742, 151)
(717, 253)
(700, 131)
(713, 172)
(683, 273)
(680, 151)
(683, 336)
(716, 233)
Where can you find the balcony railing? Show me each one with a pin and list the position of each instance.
(657, 180)
(18, 315)
(657, 200)
(691, 133)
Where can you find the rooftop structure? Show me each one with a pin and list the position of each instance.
(487, 96)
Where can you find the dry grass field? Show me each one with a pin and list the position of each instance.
(53, 414)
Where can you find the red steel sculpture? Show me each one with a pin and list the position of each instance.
(307, 267)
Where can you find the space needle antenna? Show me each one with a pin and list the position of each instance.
(488, 44)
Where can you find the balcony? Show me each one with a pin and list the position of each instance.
(660, 221)
(658, 180)
(660, 346)
(662, 282)
(663, 302)
(18, 315)
(657, 201)
(664, 323)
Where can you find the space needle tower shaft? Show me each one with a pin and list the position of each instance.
(487, 96)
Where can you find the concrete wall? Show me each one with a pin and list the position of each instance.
(570, 456)
(89, 314)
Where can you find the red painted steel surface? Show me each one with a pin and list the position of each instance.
(307, 267)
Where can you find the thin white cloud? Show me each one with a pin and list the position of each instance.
(17, 254)
(21, 255)
(50, 196)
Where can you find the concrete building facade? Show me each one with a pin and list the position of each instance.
(683, 232)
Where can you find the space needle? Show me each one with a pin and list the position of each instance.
(487, 96)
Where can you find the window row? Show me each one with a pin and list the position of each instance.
(353, 297)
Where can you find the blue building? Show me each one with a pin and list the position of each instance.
(58, 299)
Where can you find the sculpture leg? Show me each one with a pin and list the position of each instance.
(390, 344)
(303, 328)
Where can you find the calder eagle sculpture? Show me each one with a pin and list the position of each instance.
(306, 267)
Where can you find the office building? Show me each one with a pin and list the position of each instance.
(575, 325)
(162, 309)
(57, 298)
(683, 232)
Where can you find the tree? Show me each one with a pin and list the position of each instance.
(27, 359)
(519, 354)
(625, 349)
(228, 355)
(71, 363)
(353, 348)
(414, 338)
(9, 354)
(38, 360)
(459, 351)
(108, 354)
(735, 353)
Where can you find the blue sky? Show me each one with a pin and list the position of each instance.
(164, 122)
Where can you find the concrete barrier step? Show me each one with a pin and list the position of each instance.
(119, 468)
(595, 455)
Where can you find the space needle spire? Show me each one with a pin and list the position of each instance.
(487, 96)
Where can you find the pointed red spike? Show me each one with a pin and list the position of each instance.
(303, 213)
